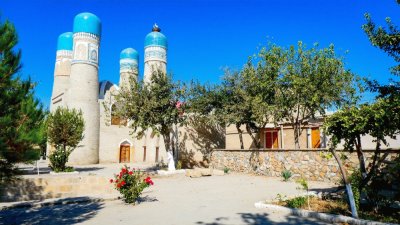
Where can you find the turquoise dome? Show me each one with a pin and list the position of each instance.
(155, 38)
(88, 23)
(65, 41)
(129, 53)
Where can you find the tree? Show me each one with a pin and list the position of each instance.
(245, 98)
(152, 106)
(259, 84)
(388, 40)
(378, 120)
(21, 115)
(313, 81)
(64, 131)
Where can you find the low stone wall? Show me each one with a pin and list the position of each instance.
(312, 164)
(57, 186)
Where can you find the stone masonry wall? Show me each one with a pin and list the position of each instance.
(308, 163)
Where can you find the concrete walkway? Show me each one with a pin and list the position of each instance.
(213, 200)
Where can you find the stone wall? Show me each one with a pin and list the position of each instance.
(312, 164)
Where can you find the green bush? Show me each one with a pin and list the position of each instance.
(64, 131)
(286, 174)
(226, 170)
(297, 202)
(58, 160)
(179, 165)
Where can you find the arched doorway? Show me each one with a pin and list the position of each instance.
(124, 152)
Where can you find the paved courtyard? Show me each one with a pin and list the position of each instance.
(177, 200)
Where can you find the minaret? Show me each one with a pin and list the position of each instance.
(62, 70)
(128, 66)
(84, 85)
(155, 53)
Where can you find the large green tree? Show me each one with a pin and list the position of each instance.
(313, 81)
(350, 124)
(21, 114)
(245, 98)
(152, 106)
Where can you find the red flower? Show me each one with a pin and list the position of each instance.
(123, 170)
(123, 183)
(148, 181)
(111, 180)
(130, 172)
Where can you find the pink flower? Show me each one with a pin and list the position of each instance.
(178, 104)
(111, 180)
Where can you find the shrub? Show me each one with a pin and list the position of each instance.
(58, 159)
(304, 185)
(286, 174)
(131, 183)
(297, 202)
(179, 165)
(226, 170)
(64, 131)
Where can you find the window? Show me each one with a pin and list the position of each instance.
(115, 119)
(271, 138)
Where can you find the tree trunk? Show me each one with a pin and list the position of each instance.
(170, 156)
(256, 140)
(375, 163)
(296, 137)
(347, 184)
(361, 158)
(240, 136)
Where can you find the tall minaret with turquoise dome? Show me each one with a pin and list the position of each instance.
(155, 53)
(83, 93)
(128, 66)
(62, 70)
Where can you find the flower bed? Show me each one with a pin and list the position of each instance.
(336, 206)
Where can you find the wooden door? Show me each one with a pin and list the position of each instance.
(275, 139)
(315, 138)
(271, 139)
(124, 155)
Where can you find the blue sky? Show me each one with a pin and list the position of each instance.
(203, 36)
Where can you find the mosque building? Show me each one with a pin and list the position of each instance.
(76, 85)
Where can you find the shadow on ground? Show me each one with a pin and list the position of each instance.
(262, 219)
(61, 214)
(147, 199)
(33, 170)
(87, 169)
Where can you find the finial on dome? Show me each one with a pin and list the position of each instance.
(156, 28)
